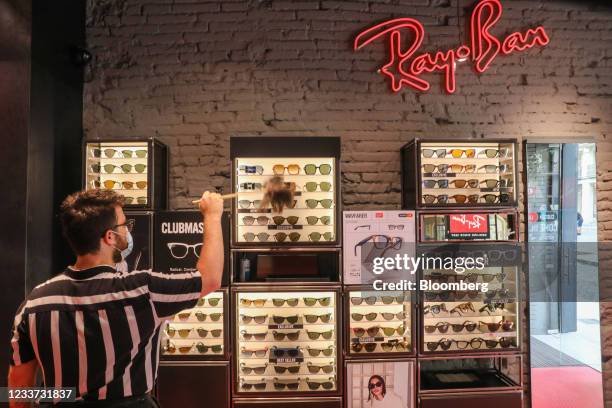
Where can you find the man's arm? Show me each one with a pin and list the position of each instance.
(22, 376)
(210, 263)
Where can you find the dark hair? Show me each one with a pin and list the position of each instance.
(382, 381)
(86, 216)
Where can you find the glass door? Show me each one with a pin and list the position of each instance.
(563, 274)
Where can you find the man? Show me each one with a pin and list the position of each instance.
(96, 329)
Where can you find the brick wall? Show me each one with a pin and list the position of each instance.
(194, 73)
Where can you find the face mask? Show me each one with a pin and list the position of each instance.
(121, 255)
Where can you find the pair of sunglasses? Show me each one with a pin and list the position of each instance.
(443, 344)
(255, 302)
(444, 183)
(261, 220)
(325, 203)
(312, 335)
(284, 369)
(358, 347)
(372, 316)
(264, 236)
(279, 220)
(370, 300)
(434, 309)
(398, 345)
(324, 301)
(257, 319)
(281, 386)
(454, 168)
(443, 327)
(250, 336)
(279, 169)
(506, 325)
(289, 302)
(491, 153)
(313, 369)
(214, 317)
(256, 369)
(251, 186)
(278, 336)
(429, 153)
(492, 198)
(258, 386)
(477, 343)
(316, 236)
(312, 220)
(373, 331)
(463, 308)
(311, 169)
(491, 168)
(126, 168)
(443, 198)
(251, 169)
(128, 185)
(211, 301)
(111, 153)
(281, 352)
(257, 353)
(326, 385)
(281, 319)
(314, 352)
(204, 333)
(311, 186)
(492, 307)
(325, 318)
(139, 200)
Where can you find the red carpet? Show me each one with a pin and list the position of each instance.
(566, 387)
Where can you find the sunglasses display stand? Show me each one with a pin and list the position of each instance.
(137, 169)
(459, 173)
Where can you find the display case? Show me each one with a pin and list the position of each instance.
(286, 342)
(285, 267)
(470, 319)
(310, 168)
(459, 174)
(461, 226)
(378, 323)
(137, 169)
(482, 374)
(200, 333)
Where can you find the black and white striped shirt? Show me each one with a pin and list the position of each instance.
(98, 330)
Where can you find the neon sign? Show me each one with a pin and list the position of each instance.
(405, 67)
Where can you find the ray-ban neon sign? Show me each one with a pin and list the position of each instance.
(405, 66)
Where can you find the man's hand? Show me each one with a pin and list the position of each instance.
(211, 205)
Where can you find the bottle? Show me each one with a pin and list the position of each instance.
(245, 269)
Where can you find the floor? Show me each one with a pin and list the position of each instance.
(567, 387)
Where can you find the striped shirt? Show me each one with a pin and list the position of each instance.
(98, 330)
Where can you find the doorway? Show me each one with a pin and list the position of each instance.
(565, 349)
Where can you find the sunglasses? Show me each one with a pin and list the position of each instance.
(325, 203)
(325, 318)
(374, 385)
(312, 220)
(126, 168)
(443, 327)
(128, 185)
(441, 183)
(358, 347)
(313, 352)
(312, 335)
(492, 307)
(473, 277)
(359, 317)
(204, 333)
(281, 236)
(257, 353)
(477, 343)
(250, 236)
(257, 370)
(279, 169)
(399, 345)
(326, 385)
(256, 302)
(248, 203)
(457, 153)
(316, 236)
(289, 386)
(290, 302)
(389, 316)
(183, 315)
(506, 325)
(390, 331)
(257, 336)
(429, 153)
(110, 153)
(463, 308)
(289, 336)
(313, 369)
(258, 386)
(443, 344)
(455, 168)
(311, 169)
(139, 200)
(491, 153)
(251, 186)
(387, 300)
(491, 168)
(282, 319)
(500, 293)
(278, 219)
(434, 309)
(290, 369)
(251, 169)
(261, 220)
(214, 317)
(257, 319)
(290, 352)
(360, 331)
(311, 186)
(370, 300)
(324, 301)
(492, 198)
(460, 183)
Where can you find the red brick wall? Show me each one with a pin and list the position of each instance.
(194, 73)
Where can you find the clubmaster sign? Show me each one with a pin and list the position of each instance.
(406, 66)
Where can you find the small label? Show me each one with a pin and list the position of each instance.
(41, 394)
